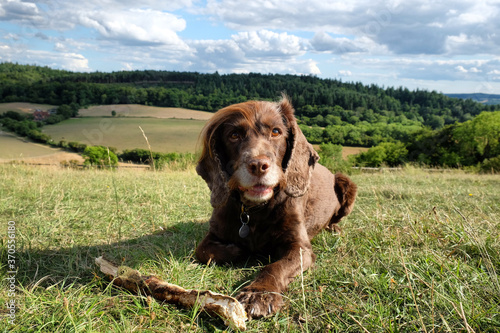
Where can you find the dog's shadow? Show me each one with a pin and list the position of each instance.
(76, 264)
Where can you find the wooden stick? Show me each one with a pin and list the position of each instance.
(228, 308)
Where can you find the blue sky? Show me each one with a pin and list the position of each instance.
(448, 46)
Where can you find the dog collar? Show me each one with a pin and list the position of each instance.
(245, 218)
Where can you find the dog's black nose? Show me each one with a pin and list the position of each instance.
(259, 166)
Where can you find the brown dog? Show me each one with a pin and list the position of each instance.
(269, 196)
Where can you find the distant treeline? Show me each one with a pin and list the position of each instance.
(473, 145)
(400, 125)
(311, 96)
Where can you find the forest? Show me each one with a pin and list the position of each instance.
(417, 126)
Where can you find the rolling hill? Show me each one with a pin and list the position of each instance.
(487, 99)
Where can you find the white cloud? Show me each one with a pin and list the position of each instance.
(65, 60)
(311, 15)
(16, 10)
(73, 62)
(479, 12)
(256, 51)
(4, 48)
(369, 40)
(111, 5)
(426, 72)
(323, 42)
(120, 21)
(345, 73)
(410, 27)
(265, 43)
(11, 36)
(60, 47)
(137, 26)
(215, 55)
(293, 66)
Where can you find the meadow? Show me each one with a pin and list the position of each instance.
(164, 135)
(137, 110)
(14, 147)
(167, 129)
(23, 107)
(420, 252)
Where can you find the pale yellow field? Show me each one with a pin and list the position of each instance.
(164, 135)
(23, 107)
(136, 110)
(346, 151)
(122, 110)
(20, 149)
(167, 129)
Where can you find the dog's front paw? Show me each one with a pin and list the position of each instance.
(259, 304)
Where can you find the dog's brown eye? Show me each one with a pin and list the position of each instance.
(275, 132)
(234, 136)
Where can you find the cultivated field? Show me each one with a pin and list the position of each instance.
(136, 110)
(17, 147)
(122, 110)
(419, 253)
(164, 135)
(346, 151)
(14, 148)
(22, 107)
(167, 129)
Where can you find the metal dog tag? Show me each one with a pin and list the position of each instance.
(244, 219)
(244, 231)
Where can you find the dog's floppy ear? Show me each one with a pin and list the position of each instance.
(210, 167)
(300, 157)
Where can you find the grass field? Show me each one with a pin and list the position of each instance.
(164, 135)
(419, 253)
(23, 107)
(168, 129)
(122, 110)
(16, 147)
(136, 110)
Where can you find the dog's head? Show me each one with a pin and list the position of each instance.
(255, 148)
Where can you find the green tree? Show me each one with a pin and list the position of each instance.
(396, 153)
(491, 165)
(486, 129)
(99, 156)
(331, 157)
(479, 137)
(374, 157)
(435, 122)
(332, 120)
(38, 136)
(389, 153)
(312, 134)
(13, 115)
(65, 111)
